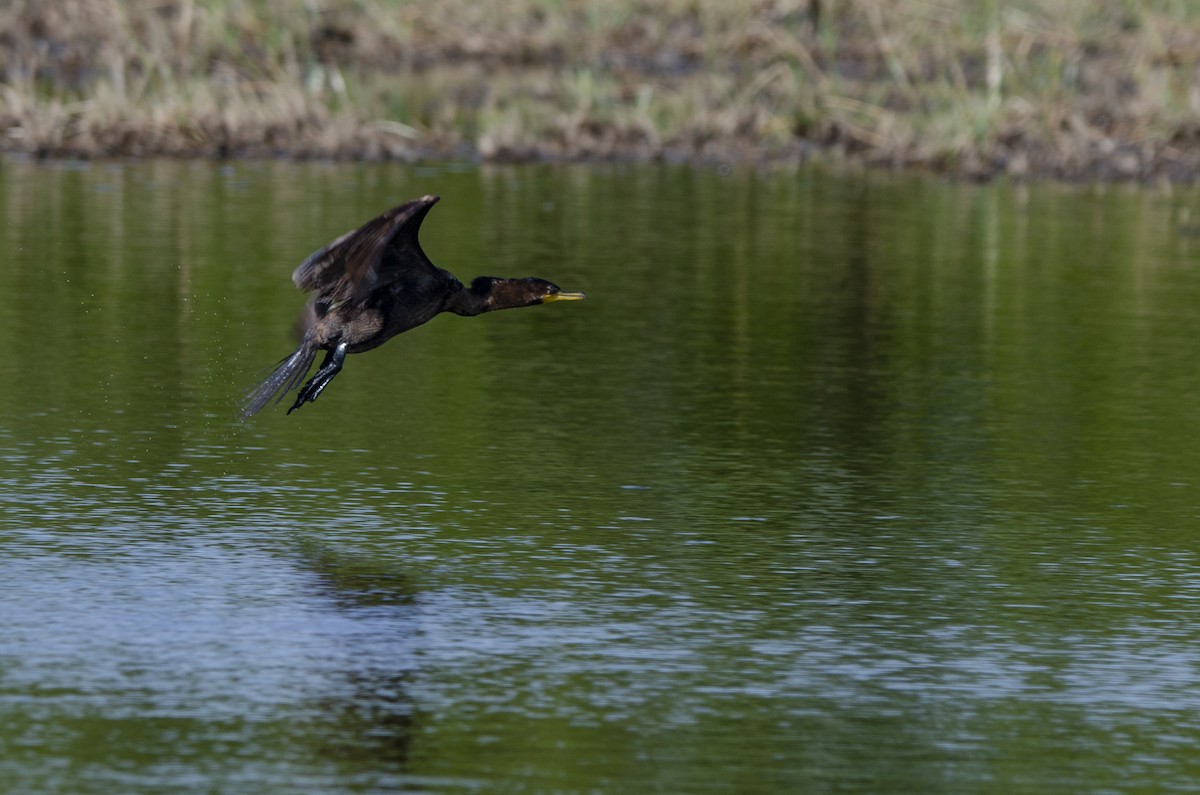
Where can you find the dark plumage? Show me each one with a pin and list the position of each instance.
(374, 283)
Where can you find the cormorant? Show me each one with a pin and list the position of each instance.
(374, 283)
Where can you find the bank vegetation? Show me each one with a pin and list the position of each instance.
(1099, 89)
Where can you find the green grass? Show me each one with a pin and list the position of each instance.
(979, 87)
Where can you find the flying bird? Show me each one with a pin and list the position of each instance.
(374, 283)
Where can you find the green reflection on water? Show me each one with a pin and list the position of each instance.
(834, 481)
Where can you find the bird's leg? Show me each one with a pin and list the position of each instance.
(329, 368)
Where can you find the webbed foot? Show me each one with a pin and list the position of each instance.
(314, 386)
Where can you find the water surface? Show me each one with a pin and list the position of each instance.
(837, 482)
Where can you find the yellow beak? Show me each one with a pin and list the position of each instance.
(564, 297)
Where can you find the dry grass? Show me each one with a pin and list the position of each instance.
(979, 87)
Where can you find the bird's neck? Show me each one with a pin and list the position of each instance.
(483, 296)
(467, 302)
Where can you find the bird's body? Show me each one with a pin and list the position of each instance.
(374, 283)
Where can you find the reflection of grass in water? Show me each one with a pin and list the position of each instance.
(976, 87)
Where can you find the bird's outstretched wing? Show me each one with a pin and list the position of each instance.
(378, 252)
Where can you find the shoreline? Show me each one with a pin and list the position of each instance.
(972, 91)
(1118, 170)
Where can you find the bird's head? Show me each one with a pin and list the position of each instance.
(511, 293)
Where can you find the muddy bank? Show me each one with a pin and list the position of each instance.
(976, 89)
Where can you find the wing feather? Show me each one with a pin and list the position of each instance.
(374, 254)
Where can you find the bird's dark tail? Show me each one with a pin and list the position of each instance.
(286, 375)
